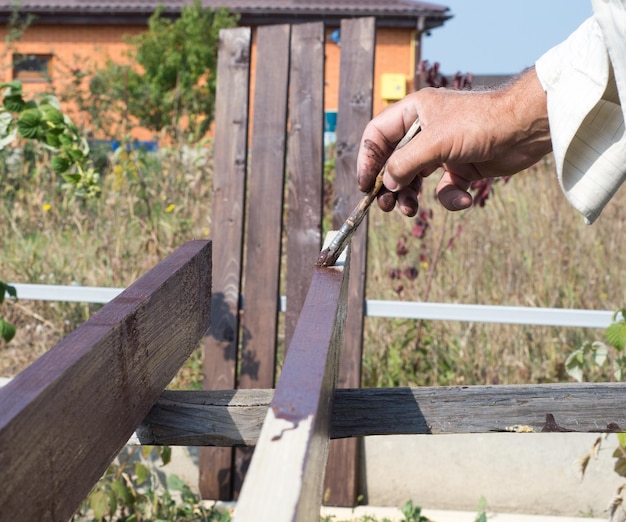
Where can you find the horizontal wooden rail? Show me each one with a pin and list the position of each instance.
(64, 418)
(375, 308)
(234, 418)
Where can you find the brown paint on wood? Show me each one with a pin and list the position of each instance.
(64, 418)
(229, 180)
(265, 211)
(303, 398)
(355, 110)
(265, 208)
(305, 168)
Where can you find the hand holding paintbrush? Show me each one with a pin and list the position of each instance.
(329, 255)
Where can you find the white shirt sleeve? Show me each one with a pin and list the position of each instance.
(585, 81)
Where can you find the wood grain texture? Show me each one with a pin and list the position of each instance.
(265, 208)
(64, 418)
(235, 417)
(285, 479)
(265, 213)
(358, 38)
(305, 155)
(227, 225)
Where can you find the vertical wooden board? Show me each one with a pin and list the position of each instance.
(305, 169)
(64, 418)
(265, 208)
(265, 215)
(356, 82)
(229, 179)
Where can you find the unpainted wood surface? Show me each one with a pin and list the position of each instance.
(227, 220)
(64, 418)
(305, 155)
(286, 475)
(355, 110)
(235, 417)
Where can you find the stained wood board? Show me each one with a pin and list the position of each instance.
(64, 418)
(230, 162)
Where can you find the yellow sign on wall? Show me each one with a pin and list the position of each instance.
(393, 86)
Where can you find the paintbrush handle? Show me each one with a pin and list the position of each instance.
(339, 242)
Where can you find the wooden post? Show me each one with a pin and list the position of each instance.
(265, 211)
(417, 52)
(64, 418)
(305, 154)
(286, 476)
(358, 38)
(229, 182)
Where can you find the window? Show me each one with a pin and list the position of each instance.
(32, 67)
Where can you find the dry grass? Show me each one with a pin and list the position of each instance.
(526, 247)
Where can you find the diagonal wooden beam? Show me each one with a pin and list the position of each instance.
(285, 479)
(64, 418)
(233, 418)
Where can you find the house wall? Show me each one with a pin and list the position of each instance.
(76, 47)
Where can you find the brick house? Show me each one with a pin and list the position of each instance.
(70, 33)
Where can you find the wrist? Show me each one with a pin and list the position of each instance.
(527, 102)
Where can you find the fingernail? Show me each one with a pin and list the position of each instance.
(390, 183)
(458, 203)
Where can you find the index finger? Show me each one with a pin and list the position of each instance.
(380, 137)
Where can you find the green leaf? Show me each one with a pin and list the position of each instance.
(71, 178)
(166, 455)
(29, 122)
(616, 335)
(621, 438)
(146, 451)
(60, 164)
(5, 122)
(112, 502)
(8, 139)
(99, 503)
(14, 103)
(52, 116)
(53, 141)
(13, 87)
(141, 472)
(7, 330)
(51, 100)
(123, 493)
(574, 364)
(10, 290)
(600, 353)
(175, 483)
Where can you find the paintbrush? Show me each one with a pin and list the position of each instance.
(329, 255)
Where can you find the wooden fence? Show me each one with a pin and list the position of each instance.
(64, 418)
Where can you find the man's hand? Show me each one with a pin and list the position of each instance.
(470, 135)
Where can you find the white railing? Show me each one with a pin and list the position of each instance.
(373, 308)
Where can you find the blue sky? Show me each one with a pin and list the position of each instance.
(501, 36)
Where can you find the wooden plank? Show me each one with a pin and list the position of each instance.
(64, 418)
(355, 110)
(305, 168)
(265, 210)
(235, 417)
(285, 479)
(229, 180)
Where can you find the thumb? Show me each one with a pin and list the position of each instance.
(452, 192)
